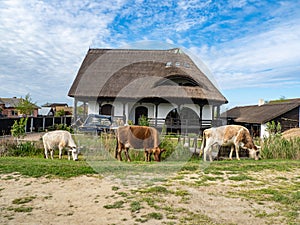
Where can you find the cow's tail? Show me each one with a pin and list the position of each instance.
(117, 145)
(203, 144)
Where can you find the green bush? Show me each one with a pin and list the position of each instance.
(12, 148)
(61, 127)
(276, 147)
(144, 121)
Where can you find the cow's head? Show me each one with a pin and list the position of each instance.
(157, 153)
(254, 152)
(75, 151)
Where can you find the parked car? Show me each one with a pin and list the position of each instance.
(96, 124)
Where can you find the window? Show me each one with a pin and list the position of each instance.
(168, 64)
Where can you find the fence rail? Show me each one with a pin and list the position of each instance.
(34, 123)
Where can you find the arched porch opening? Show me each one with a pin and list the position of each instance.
(139, 112)
(107, 109)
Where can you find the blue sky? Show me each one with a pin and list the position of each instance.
(251, 47)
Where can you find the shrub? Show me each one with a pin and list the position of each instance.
(61, 127)
(12, 148)
(276, 147)
(144, 121)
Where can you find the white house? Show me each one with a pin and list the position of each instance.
(163, 85)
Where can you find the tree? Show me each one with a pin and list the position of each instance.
(25, 105)
(19, 128)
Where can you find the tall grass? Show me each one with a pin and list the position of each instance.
(276, 147)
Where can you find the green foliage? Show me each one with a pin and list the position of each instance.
(61, 127)
(26, 106)
(116, 205)
(18, 128)
(24, 149)
(60, 113)
(276, 147)
(273, 128)
(144, 121)
(130, 122)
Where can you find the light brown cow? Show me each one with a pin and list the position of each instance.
(138, 137)
(230, 135)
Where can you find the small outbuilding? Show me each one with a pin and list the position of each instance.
(255, 117)
(165, 86)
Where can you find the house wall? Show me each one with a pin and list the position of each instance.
(163, 109)
(289, 119)
(263, 131)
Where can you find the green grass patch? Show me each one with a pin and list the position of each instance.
(135, 206)
(23, 200)
(241, 177)
(116, 205)
(21, 209)
(37, 167)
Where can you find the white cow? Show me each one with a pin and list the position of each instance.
(230, 135)
(60, 139)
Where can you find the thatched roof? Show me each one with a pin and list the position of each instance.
(263, 113)
(107, 73)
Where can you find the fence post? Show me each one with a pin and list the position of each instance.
(31, 125)
(44, 122)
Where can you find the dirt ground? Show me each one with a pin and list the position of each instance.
(85, 200)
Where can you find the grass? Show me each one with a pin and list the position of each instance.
(38, 167)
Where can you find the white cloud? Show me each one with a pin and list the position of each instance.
(270, 58)
(44, 42)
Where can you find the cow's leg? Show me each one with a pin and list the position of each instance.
(60, 148)
(237, 148)
(231, 151)
(51, 153)
(46, 152)
(127, 154)
(146, 154)
(208, 149)
(69, 157)
(119, 151)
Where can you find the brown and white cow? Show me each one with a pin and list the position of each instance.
(60, 139)
(138, 137)
(230, 135)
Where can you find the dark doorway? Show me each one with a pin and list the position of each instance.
(107, 109)
(185, 121)
(139, 111)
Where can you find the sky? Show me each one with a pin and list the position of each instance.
(251, 47)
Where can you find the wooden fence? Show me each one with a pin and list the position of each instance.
(34, 124)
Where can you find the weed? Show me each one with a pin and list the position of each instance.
(21, 209)
(135, 206)
(241, 177)
(23, 200)
(154, 215)
(116, 205)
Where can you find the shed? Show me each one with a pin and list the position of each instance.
(255, 117)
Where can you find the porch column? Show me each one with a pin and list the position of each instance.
(213, 115)
(75, 110)
(100, 106)
(201, 117)
(218, 116)
(156, 113)
(124, 113)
